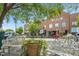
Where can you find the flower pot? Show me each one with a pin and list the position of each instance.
(33, 49)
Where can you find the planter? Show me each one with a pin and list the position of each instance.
(33, 48)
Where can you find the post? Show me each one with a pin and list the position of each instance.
(47, 34)
(9, 50)
(69, 24)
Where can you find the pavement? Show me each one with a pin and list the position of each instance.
(56, 53)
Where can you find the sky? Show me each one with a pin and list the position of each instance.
(11, 24)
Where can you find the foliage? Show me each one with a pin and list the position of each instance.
(1, 37)
(55, 10)
(78, 21)
(34, 27)
(24, 11)
(1, 7)
(61, 33)
(1, 30)
(71, 7)
(19, 30)
(43, 46)
(9, 30)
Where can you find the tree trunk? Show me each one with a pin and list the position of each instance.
(36, 34)
(15, 27)
(2, 17)
(6, 8)
(0, 25)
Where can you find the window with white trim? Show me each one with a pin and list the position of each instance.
(63, 24)
(50, 25)
(56, 25)
(44, 26)
(61, 18)
(74, 23)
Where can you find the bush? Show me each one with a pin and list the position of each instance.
(19, 30)
(61, 33)
(1, 37)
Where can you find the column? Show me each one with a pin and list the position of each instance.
(47, 33)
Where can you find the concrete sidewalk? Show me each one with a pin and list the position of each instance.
(58, 53)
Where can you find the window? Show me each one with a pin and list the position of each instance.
(50, 25)
(61, 18)
(74, 23)
(44, 26)
(56, 25)
(63, 24)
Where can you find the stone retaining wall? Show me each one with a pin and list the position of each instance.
(68, 46)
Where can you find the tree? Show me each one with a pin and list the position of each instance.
(75, 8)
(72, 7)
(1, 36)
(34, 27)
(78, 21)
(24, 11)
(4, 8)
(19, 30)
(17, 10)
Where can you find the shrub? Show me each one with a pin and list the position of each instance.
(61, 33)
(1, 37)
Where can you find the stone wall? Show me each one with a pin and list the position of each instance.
(65, 45)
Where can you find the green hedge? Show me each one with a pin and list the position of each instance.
(1, 37)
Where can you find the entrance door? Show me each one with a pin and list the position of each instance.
(52, 33)
(66, 32)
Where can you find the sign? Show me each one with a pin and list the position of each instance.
(74, 29)
(78, 29)
(41, 31)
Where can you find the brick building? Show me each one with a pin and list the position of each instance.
(62, 23)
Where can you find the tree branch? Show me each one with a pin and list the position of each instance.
(6, 8)
(16, 7)
(10, 6)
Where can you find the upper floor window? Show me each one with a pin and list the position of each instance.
(63, 24)
(56, 25)
(74, 23)
(50, 25)
(44, 26)
(61, 18)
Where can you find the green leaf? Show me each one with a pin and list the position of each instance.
(1, 7)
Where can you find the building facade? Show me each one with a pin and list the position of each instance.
(62, 23)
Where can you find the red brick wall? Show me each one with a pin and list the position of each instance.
(68, 18)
